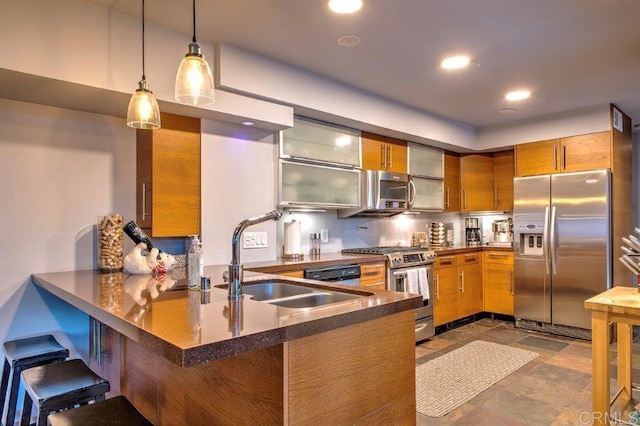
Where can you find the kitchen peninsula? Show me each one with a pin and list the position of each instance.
(192, 357)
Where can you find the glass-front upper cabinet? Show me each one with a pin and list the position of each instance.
(426, 161)
(317, 141)
(311, 185)
(429, 194)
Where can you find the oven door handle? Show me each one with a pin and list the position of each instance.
(399, 276)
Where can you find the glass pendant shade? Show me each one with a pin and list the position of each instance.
(194, 81)
(143, 111)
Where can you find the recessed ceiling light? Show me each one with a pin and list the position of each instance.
(248, 123)
(349, 40)
(517, 95)
(345, 6)
(455, 62)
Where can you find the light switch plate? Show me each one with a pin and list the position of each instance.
(324, 235)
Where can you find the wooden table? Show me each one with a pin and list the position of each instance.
(620, 305)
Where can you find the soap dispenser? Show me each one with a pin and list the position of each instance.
(194, 263)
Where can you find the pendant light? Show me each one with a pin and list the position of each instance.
(194, 81)
(143, 112)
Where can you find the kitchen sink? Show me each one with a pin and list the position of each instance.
(274, 290)
(288, 295)
(312, 300)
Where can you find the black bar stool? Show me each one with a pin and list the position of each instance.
(113, 411)
(60, 386)
(19, 355)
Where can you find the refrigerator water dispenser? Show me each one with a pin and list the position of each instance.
(531, 244)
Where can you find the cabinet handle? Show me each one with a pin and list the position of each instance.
(446, 260)
(498, 255)
(447, 202)
(390, 153)
(374, 285)
(511, 283)
(555, 158)
(464, 198)
(495, 197)
(564, 157)
(470, 258)
(383, 156)
(462, 281)
(144, 202)
(437, 286)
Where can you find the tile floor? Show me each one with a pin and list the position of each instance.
(553, 389)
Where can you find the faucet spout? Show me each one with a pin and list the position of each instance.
(235, 268)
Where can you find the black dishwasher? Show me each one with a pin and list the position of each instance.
(342, 274)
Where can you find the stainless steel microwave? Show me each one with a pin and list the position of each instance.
(382, 194)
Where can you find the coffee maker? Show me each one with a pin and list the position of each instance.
(473, 231)
(503, 232)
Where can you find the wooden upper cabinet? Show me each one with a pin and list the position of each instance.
(537, 158)
(451, 182)
(586, 152)
(571, 154)
(168, 177)
(476, 182)
(503, 173)
(383, 153)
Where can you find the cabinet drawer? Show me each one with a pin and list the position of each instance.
(373, 275)
(468, 259)
(445, 262)
(498, 257)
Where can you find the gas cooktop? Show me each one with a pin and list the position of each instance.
(383, 250)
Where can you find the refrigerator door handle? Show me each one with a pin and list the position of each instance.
(545, 239)
(552, 241)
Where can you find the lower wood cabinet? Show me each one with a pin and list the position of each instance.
(458, 287)
(498, 282)
(373, 275)
(294, 274)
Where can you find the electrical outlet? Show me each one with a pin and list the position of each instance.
(324, 235)
(251, 240)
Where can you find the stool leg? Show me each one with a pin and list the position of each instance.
(42, 418)
(26, 411)
(3, 388)
(13, 396)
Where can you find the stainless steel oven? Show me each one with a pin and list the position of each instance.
(410, 270)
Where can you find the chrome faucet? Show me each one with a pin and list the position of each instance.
(235, 273)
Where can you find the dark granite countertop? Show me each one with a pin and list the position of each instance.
(284, 265)
(190, 327)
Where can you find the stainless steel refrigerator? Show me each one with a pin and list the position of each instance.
(562, 248)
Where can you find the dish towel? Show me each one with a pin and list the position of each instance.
(423, 284)
(413, 285)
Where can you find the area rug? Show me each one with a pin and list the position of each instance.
(445, 383)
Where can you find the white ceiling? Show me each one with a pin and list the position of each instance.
(569, 53)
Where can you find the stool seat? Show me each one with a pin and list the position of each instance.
(21, 354)
(113, 411)
(58, 386)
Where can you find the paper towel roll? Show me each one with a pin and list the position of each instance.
(292, 238)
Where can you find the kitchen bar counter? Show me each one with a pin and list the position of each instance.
(190, 357)
(160, 314)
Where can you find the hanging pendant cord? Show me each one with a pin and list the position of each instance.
(143, 77)
(194, 21)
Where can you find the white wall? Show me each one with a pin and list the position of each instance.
(322, 98)
(571, 123)
(89, 45)
(238, 182)
(59, 170)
